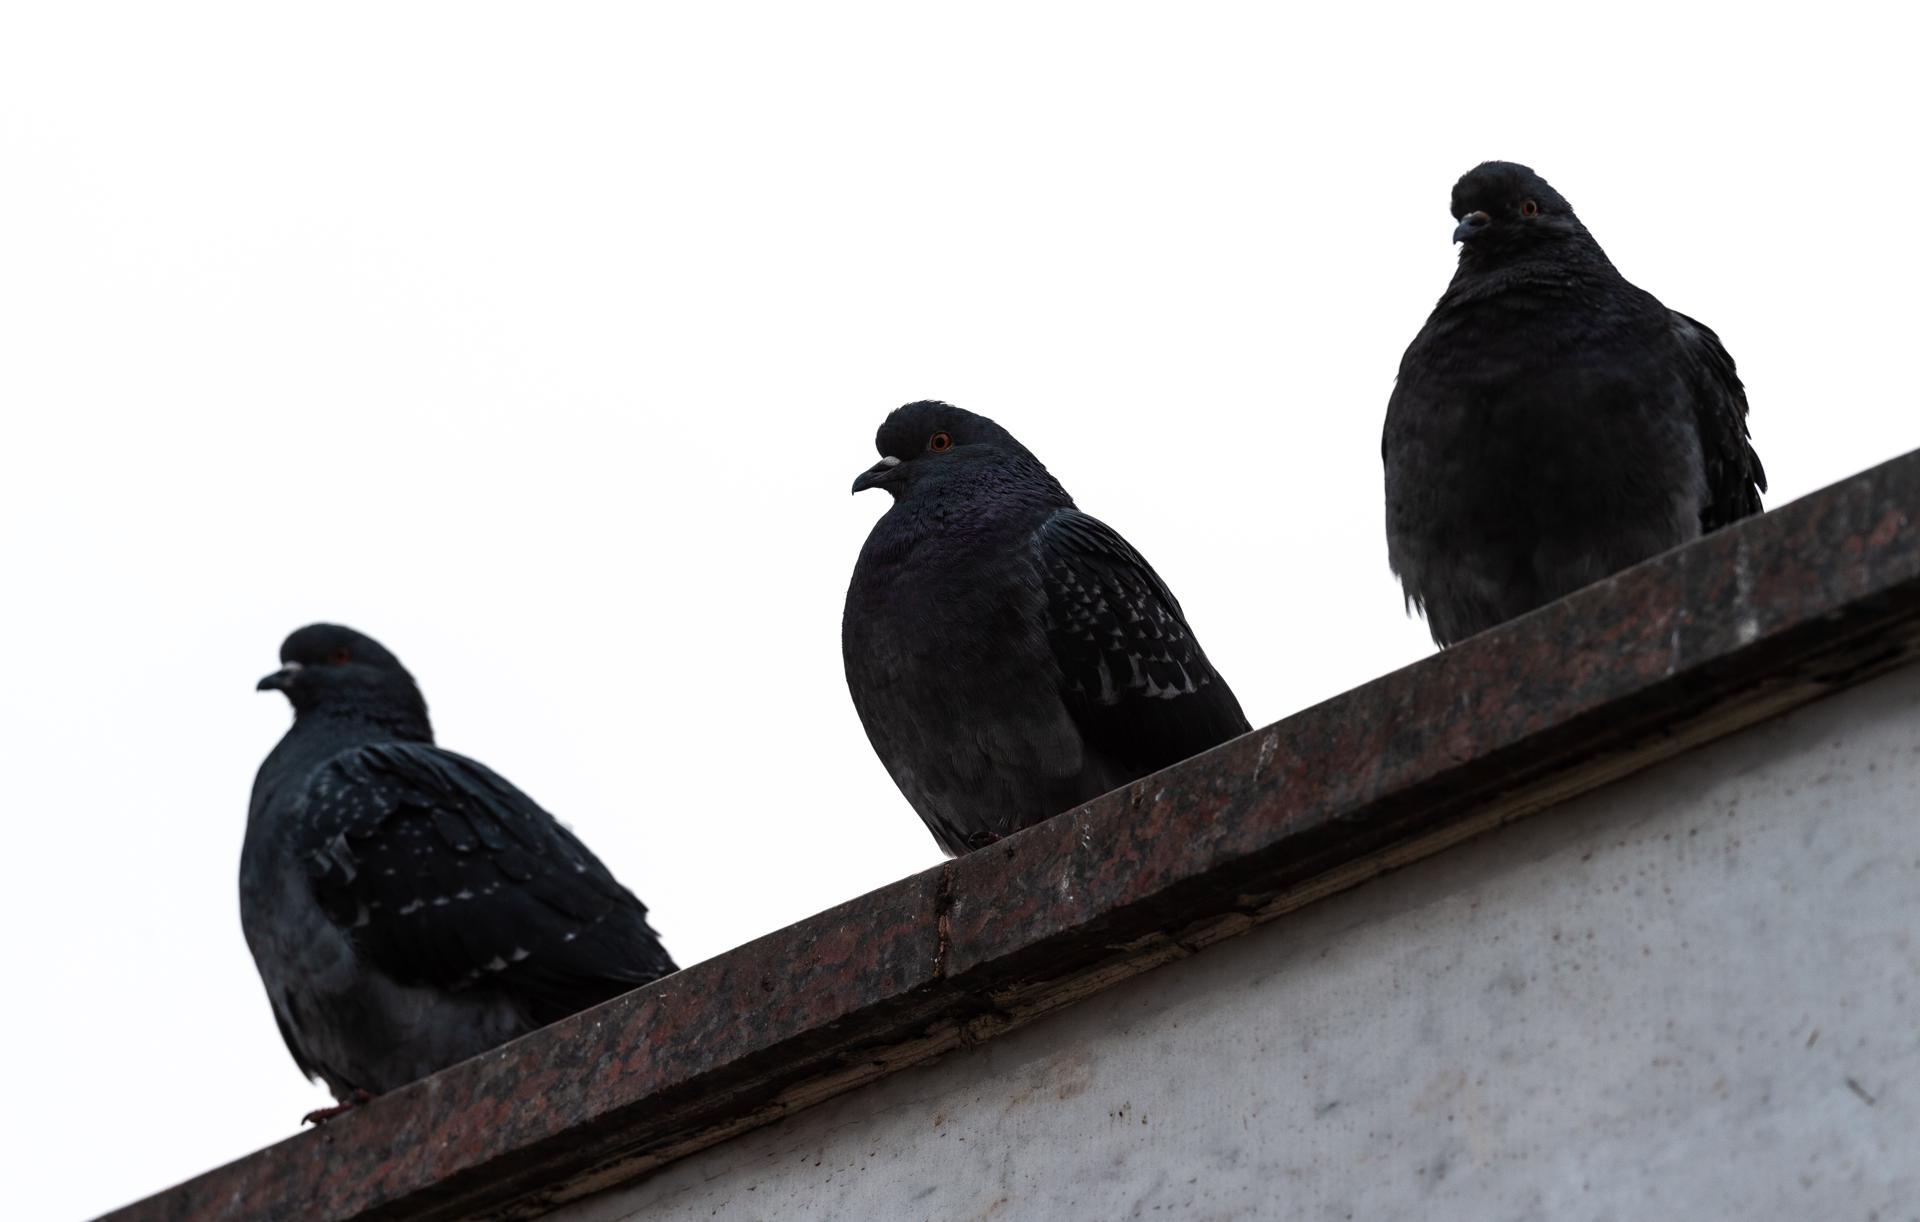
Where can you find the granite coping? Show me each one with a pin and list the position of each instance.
(1685, 648)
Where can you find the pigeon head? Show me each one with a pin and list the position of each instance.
(327, 666)
(1506, 211)
(931, 446)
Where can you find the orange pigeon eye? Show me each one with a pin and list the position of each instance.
(340, 656)
(1528, 208)
(940, 443)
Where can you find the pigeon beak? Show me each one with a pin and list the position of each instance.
(874, 475)
(280, 680)
(1470, 224)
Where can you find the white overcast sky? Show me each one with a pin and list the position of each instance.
(542, 342)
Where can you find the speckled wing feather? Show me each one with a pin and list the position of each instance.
(1735, 478)
(1136, 681)
(443, 873)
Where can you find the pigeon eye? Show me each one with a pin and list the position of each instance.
(340, 656)
(940, 442)
(1529, 208)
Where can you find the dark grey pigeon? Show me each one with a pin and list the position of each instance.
(406, 906)
(1552, 424)
(1010, 656)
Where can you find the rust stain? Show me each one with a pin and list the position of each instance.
(943, 921)
(1890, 525)
(1074, 1074)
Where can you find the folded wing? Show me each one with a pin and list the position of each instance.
(1136, 681)
(1735, 478)
(443, 874)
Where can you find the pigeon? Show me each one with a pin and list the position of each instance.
(407, 907)
(1551, 424)
(1010, 656)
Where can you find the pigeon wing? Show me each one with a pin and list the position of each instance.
(1735, 478)
(1134, 678)
(444, 874)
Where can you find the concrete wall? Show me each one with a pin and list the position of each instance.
(1695, 994)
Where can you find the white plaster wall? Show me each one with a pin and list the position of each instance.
(1693, 995)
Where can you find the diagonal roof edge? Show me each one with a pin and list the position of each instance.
(1685, 648)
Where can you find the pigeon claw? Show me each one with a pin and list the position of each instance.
(980, 840)
(321, 1115)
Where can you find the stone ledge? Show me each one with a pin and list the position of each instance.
(1683, 649)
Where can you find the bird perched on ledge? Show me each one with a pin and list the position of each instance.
(1552, 423)
(406, 906)
(1010, 656)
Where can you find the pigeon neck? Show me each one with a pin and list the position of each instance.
(988, 508)
(960, 521)
(382, 722)
(1565, 248)
(1557, 267)
(995, 488)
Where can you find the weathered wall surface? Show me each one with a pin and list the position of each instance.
(1694, 994)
